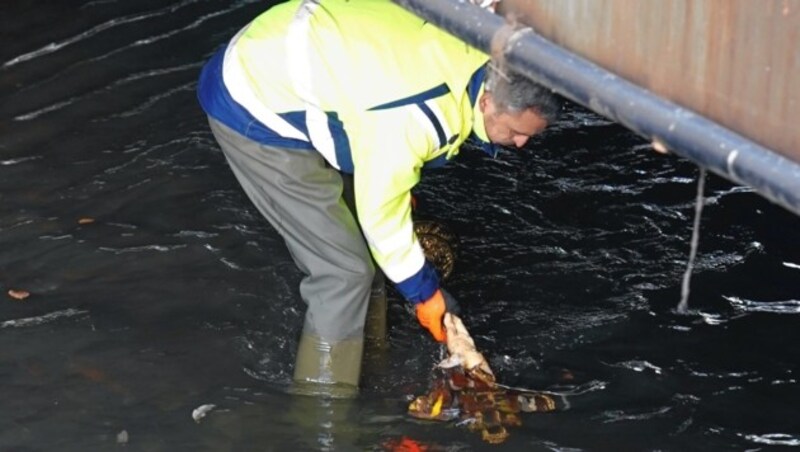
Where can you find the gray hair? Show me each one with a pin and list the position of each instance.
(513, 92)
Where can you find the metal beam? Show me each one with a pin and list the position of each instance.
(679, 129)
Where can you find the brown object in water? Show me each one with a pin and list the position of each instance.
(464, 387)
(18, 294)
(486, 409)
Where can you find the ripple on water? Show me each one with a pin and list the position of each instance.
(638, 366)
(143, 248)
(42, 319)
(773, 307)
(773, 439)
(621, 415)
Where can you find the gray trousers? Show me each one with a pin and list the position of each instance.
(305, 201)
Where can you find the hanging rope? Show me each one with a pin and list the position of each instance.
(683, 306)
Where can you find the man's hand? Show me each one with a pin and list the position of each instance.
(430, 313)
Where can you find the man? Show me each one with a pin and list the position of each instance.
(313, 96)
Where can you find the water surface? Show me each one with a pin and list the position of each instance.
(176, 293)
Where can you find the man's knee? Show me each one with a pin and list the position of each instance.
(362, 275)
(352, 276)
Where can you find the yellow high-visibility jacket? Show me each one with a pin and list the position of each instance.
(376, 90)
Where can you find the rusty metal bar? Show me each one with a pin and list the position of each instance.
(681, 130)
(736, 62)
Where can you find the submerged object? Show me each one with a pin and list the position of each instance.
(464, 388)
(439, 244)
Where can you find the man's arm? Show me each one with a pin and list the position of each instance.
(388, 150)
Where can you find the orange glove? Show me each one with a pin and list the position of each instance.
(430, 313)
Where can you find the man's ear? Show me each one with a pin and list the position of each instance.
(484, 101)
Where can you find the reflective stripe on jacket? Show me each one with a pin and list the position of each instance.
(377, 91)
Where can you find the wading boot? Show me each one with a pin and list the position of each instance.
(328, 368)
(376, 343)
(375, 326)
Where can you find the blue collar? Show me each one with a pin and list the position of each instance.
(488, 147)
(475, 83)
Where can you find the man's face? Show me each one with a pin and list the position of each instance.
(509, 129)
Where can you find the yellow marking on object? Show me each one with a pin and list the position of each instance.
(437, 406)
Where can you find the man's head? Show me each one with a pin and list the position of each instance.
(515, 108)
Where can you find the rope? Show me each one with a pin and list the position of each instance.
(683, 306)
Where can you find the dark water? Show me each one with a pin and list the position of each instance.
(180, 295)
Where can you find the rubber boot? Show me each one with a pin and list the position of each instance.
(321, 423)
(375, 326)
(376, 346)
(328, 369)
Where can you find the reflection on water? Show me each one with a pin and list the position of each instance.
(179, 295)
